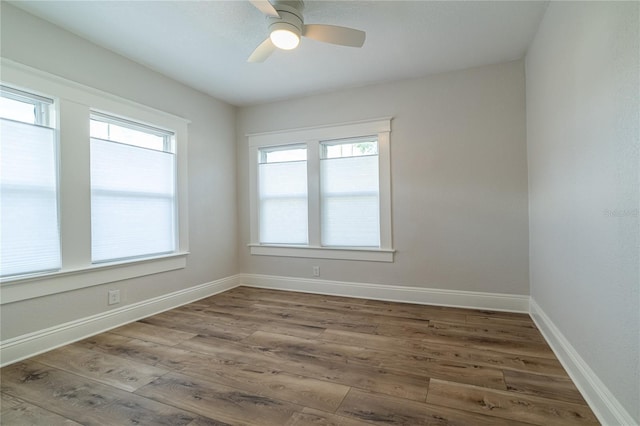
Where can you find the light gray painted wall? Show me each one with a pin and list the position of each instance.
(582, 130)
(211, 158)
(458, 172)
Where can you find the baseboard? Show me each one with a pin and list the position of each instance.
(604, 405)
(425, 296)
(28, 345)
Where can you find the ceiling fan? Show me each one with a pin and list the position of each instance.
(286, 26)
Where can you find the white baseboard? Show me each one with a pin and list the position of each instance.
(605, 406)
(392, 293)
(28, 345)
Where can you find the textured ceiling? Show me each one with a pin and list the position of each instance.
(205, 44)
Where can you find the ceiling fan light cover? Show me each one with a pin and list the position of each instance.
(284, 39)
(284, 35)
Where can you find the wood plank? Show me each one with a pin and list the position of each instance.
(166, 357)
(151, 333)
(460, 353)
(349, 374)
(206, 320)
(385, 410)
(372, 313)
(266, 314)
(476, 340)
(264, 294)
(311, 417)
(416, 311)
(8, 402)
(108, 369)
(486, 340)
(217, 401)
(560, 388)
(321, 313)
(85, 401)
(497, 320)
(300, 349)
(206, 325)
(502, 331)
(18, 412)
(289, 329)
(508, 405)
(265, 381)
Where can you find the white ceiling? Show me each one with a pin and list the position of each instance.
(205, 44)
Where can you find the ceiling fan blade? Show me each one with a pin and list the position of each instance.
(263, 51)
(265, 7)
(333, 34)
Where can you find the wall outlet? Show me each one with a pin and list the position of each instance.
(114, 297)
(316, 271)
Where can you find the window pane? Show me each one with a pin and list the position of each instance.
(350, 206)
(354, 148)
(283, 203)
(30, 235)
(283, 155)
(122, 134)
(16, 110)
(132, 201)
(25, 107)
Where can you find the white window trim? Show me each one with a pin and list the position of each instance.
(313, 136)
(38, 285)
(74, 103)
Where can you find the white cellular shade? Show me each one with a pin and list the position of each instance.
(349, 197)
(132, 201)
(29, 236)
(283, 203)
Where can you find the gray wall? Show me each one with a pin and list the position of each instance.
(458, 177)
(211, 163)
(582, 140)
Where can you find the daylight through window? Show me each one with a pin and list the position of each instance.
(133, 196)
(30, 238)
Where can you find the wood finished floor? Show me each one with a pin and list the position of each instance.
(263, 357)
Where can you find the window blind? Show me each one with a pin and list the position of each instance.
(283, 203)
(132, 201)
(30, 235)
(349, 199)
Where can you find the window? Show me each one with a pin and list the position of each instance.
(349, 194)
(30, 237)
(322, 192)
(283, 195)
(86, 197)
(132, 190)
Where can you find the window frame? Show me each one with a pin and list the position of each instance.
(74, 105)
(46, 112)
(312, 137)
(263, 160)
(168, 147)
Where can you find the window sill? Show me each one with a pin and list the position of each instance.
(31, 286)
(339, 253)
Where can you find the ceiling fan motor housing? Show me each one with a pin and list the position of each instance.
(290, 17)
